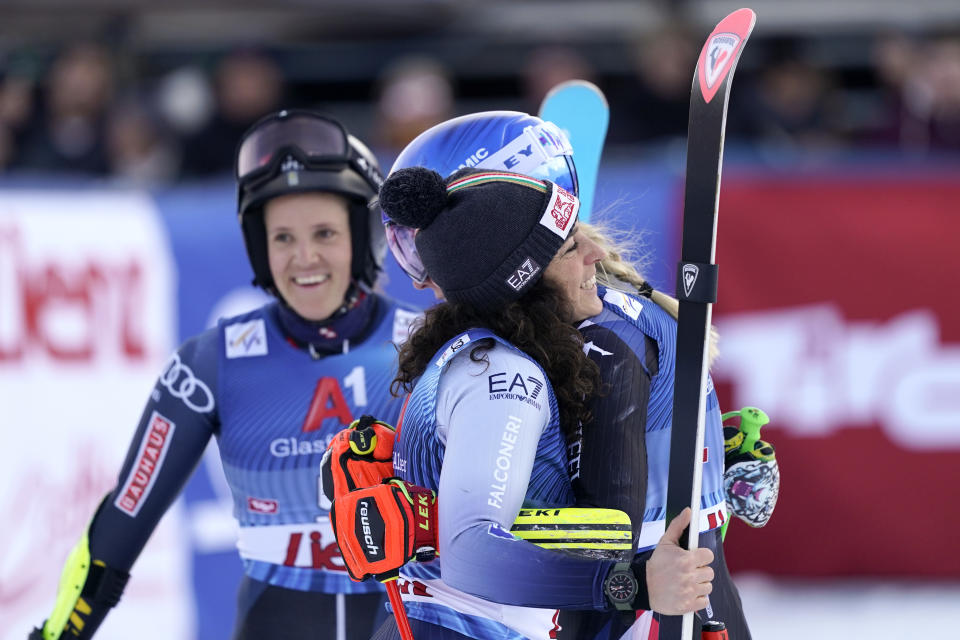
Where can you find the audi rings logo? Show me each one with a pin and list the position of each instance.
(179, 380)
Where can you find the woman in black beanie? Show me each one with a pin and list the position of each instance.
(499, 381)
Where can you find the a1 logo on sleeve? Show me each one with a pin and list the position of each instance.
(246, 339)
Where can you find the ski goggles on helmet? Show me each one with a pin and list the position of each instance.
(312, 140)
(540, 151)
(400, 239)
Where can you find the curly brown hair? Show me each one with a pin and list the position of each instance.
(534, 324)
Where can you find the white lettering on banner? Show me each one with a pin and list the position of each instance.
(501, 471)
(818, 373)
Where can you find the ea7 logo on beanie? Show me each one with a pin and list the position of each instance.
(522, 274)
(563, 208)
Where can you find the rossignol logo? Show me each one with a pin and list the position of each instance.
(720, 52)
(561, 210)
(150, 455)
(523, 274)
(370, 529)
(689, 275)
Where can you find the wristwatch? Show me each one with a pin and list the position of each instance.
(620, 586)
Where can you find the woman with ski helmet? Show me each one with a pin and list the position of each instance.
(632, 340)
(499, 382)
(273, 386)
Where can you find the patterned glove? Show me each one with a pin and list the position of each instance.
(752, 476)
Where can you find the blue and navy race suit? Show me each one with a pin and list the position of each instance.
(486, 436)
(633, 340)
(273, 407)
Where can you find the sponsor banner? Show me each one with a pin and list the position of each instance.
(837, 318)
(87, 317)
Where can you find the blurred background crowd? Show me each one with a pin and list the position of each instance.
(108, 89)
(841, 184)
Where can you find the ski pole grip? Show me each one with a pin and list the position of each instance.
(697, 282)
(714, 630)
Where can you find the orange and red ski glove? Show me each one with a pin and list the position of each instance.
(359, 456)
(381, 528)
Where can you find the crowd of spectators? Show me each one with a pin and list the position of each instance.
(77, 113)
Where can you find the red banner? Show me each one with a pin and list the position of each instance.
(839, 316)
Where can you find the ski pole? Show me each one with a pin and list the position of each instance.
(399, 613)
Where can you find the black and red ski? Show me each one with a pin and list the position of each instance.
(697, 275)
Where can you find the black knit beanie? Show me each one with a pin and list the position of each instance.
(485, 237)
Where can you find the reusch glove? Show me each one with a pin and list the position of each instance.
(359, 456)
(752, 476)
(379, 529)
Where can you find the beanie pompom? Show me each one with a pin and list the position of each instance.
(413, 197)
